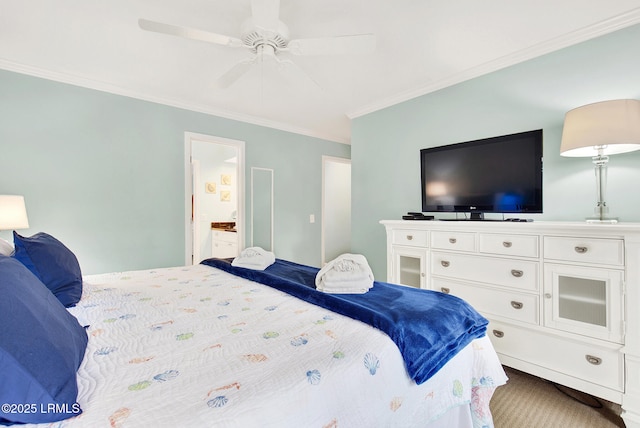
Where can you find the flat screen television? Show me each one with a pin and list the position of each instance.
(493, 175)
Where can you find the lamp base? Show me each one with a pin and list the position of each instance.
(602, 220)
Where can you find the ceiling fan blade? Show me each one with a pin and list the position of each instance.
(340, 45)
(265, 13)
(234, 73)
(189, 33)
(292, 65)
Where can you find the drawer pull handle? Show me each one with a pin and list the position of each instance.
(453, 240)
(507, 244)
(517, 273)
(593, 360)
(547, 295)
(445, 290)
(516, 305)
(498, 333)
(445, 263)
(409, 237)
(581, 250)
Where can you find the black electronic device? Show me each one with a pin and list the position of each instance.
(416, 216)
(493, 175)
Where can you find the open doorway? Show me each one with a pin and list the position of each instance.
(336, 207)
(214, 197)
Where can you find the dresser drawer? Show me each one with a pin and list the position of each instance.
(412, 238)
(599, 364)
(520, 274)
(518, 306)
(460, 241)
(586, 250)
(511, 245)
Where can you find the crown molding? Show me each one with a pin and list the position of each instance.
(75, 80)
(583, 34)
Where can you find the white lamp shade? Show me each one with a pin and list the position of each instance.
(13, 213)
(613, 126)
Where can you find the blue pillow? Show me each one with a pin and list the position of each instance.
(41, 348)
(53, 263)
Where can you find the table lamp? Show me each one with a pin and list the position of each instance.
(13, 215)
(598, 130)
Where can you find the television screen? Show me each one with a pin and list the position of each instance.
(493, 175)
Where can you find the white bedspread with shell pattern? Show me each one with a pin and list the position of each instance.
(195, 346)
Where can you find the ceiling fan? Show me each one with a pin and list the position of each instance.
(266, 37)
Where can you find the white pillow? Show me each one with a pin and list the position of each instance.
(6, 248)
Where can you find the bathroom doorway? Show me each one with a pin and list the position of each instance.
(214, 197)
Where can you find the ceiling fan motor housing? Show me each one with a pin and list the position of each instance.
(255, 37)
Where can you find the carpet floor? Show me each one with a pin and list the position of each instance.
(527, 401)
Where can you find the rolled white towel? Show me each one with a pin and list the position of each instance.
(340, 283)
(340, 276)
(347, 273)
(254, 258)
(351, 289)
(350, 285)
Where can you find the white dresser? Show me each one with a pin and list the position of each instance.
(563, 299)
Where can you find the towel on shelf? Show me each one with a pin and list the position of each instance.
(346, 274)
(254, 258)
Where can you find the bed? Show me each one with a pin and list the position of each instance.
(202, 346)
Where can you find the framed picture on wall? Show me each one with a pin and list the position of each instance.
(210, 187)
(225, 179)
(225, 195)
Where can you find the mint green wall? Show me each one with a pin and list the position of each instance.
(105, 173)
(531, 95)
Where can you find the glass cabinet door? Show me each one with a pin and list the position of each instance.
(409, 266)
(584, 300)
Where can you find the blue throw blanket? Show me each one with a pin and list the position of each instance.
(428, 327)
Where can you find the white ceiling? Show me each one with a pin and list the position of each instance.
(422, 46)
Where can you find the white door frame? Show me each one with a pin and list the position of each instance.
(189, 137)
(195, 225)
